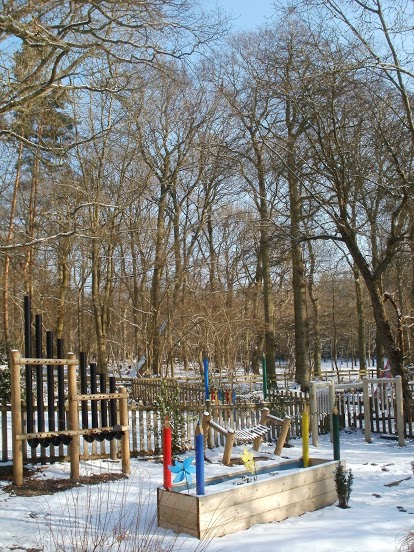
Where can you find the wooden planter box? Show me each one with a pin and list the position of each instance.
(291, 492)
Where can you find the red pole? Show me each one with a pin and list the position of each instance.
(167, 453)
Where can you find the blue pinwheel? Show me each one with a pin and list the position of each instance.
(183, 470)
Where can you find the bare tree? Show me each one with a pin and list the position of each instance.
(80, 40)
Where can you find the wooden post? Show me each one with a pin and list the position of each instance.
(283, 435)
(16, 408)
(400, 410)
(313, 413)
(228, 446)
(113, 420)
(367, 413)
(305, 436)
(73, 419)
(207, 430)
(124, 421)
(263, 421)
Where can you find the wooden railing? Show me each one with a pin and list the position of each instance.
(145, 424)
(147, 391)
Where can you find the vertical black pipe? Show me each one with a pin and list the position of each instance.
(112, 402)
(39, 375)
(28, 354)
(83, 389)
(94, 389)
(104, 402)
(61, 387)
(50, 384)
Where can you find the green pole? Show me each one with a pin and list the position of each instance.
(264, 371)
(335, 432)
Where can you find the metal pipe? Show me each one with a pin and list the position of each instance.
(28, 369)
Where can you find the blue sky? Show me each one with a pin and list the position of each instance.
(251, 12)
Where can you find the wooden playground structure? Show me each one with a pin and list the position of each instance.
(247, 435)
(70, 434)
(50, 412)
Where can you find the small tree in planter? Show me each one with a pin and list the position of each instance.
(343, 484)
(168, 403)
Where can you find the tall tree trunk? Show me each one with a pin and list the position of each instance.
(385, 336)
(28, 267)
(63, 277)
(298, 280)
(360, 322)
(264, 255)
(98, 308)
(316, 345)
(8, 240)
(159, 264)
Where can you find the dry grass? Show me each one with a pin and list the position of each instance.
(406, 544)
(110, 517)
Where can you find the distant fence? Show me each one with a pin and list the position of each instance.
(146, 424)
(148, 390)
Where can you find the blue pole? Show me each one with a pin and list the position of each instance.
(206, 389)
(199, 446)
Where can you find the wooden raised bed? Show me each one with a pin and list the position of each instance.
(291, 492)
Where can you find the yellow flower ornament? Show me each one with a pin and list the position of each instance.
(248, 461)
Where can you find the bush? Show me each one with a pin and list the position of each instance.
(406, 544)
(116, 517)
(168, 403)
(343, 484)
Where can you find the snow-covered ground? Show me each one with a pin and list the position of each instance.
(113, 514)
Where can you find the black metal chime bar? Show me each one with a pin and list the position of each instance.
(50, 384)
(61, 387)
(28, 369)
(39, 375)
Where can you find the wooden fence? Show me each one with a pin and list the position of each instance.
(148, 391)
(146, 424)
(145, 431)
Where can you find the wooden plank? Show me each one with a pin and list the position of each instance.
(133, 423)
(280, 483)
(47, 361)
(262, 500)
(148, 426)
(141, 447)
(186, 519)
(219, 527)
(261, 506)
(178, 512)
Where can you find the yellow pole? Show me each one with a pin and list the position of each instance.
(305, 436)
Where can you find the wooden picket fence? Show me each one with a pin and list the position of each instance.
(147, 391)
(146, 423)
(145, 431)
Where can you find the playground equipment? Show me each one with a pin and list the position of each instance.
(279, 491)
(253, 434)
(67, 435)
(305, 436)
(385, 394)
